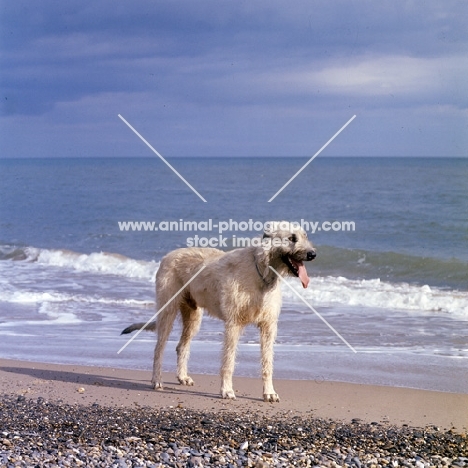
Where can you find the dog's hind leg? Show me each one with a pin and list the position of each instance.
(165, 321)
(191, 321)
(231, 338)
(267, 339)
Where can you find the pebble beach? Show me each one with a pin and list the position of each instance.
(55, 415)
(36, 432)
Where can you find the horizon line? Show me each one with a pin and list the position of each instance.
(236, 156)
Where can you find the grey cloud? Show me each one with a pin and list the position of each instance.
(270, 62)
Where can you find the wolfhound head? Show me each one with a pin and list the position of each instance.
(285, 247)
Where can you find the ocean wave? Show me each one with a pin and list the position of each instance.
(96, 262)
(39, 297)
(57, 315)
(380, 294)
(392, 267)
(391, 292)
(331, 261)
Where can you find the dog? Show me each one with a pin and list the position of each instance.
(238, 287)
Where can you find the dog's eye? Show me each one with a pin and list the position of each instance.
(293, 238)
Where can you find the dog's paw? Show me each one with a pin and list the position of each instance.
(271, 398)
(186, 381)
(228, 394)
(157, 385)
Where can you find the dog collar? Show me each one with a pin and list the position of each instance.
(267, 283)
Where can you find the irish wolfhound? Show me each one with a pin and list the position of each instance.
(238, 287)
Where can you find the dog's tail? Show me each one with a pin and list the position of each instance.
(138, 326)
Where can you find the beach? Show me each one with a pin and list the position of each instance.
(348, 422)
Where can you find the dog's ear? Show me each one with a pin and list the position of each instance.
(269, 229)
(262, 258)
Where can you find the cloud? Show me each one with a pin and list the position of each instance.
(404, 76)
(231, 77)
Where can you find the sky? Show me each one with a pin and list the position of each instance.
(233, 78)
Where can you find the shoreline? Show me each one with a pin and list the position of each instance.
(345, 402)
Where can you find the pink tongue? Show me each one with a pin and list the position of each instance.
(302, 273)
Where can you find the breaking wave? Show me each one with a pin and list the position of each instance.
(384, 282)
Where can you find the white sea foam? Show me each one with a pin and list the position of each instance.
(37, 297)
(321, 291)
(375, 293)
(96, 262)
(57, 315)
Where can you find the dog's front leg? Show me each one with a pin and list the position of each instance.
(231, 337)
(267, 340)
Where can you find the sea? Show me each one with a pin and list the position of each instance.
(387, 302)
